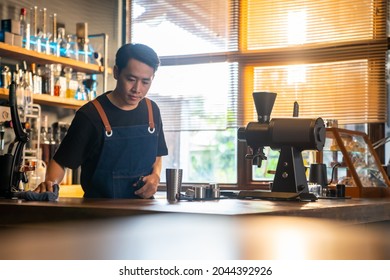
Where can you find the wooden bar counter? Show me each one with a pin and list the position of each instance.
(76, 228)
(348, 211)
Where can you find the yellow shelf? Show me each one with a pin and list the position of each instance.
(29, 56)
(44, 99)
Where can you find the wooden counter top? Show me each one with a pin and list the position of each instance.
(76, 228)
(349, 211)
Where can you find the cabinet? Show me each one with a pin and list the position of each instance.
(355, 162)
(20, 54)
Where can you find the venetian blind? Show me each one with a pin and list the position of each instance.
(196, 85)
(327, 55)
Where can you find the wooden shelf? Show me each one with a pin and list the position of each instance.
(44, 99)
(29, 56)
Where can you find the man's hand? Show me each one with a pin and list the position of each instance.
(54, 175)
(45, 187)
(150, 187)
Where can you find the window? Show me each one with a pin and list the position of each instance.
(329, 56)
(196, 86)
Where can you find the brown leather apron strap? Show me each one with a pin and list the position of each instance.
(103, 116)
(107, 125)
(150, 113)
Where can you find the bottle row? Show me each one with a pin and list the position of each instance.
(32, 32)
(52, 79)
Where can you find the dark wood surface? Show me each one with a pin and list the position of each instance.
(75, 228)
(349, 211)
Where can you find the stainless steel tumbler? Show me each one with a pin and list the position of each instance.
(173, 177)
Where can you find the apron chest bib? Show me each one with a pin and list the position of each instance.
(127, 154)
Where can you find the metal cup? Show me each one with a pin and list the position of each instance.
(173, 177)
(318, 174)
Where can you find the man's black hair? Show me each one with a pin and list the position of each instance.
(139, 52)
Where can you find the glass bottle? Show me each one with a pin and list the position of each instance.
(57, 68)
(48, 79)
(53, 32)
(83, 52)
(45, 142)
(62, 48)
(16, 75)
(73, 50)
(5, 77)
(24, 28)
(18, 79)
(90, 85)
(81, 93)
(43, 39)
(36, 79)
(33, 28)
(45, 72)
(71, 84)
(28, 90)
(34, 134)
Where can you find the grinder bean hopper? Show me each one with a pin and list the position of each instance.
(11, 162)
(288, 135)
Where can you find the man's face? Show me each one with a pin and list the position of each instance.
(133, 82)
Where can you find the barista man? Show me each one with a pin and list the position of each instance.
(118, 138)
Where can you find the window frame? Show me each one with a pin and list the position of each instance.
(247, 60)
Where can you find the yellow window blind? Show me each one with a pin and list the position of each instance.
(329, 56)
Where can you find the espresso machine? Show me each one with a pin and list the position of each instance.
(11, 159)
(290, 136)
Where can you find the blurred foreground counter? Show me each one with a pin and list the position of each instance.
(194, 237)
(76, 228)
(348, 211)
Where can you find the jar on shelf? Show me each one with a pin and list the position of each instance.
(71, 84)
(57, 68)
(81, 93)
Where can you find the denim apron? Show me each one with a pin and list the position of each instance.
(127, 154)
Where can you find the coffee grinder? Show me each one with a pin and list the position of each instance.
(290, 136)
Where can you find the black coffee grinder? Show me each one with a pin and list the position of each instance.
(289, 135)
(11, 163)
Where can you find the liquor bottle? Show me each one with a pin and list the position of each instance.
(16, 75)
(90, 85)
(24, 28)
(5, 77)
(36, 79)
(28, 91)
(27, 86)
(62, 48)
(71, 84)
(47, 79)
(57, 68)
(34, 134)
(45, 145)
(81, 93)
(17, 79)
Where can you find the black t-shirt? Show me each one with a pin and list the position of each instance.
(83, 142)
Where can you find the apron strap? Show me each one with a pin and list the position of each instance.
(103, 116)
(107, 125)
(150, 112)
